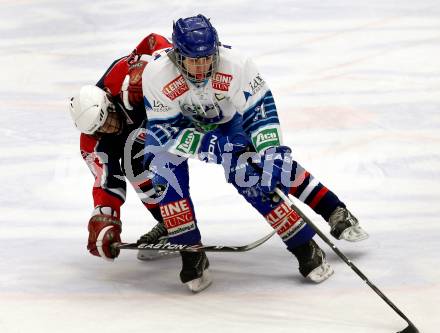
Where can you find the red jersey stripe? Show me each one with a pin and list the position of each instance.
(318, 197)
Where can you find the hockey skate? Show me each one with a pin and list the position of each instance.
(343, 225)
(195, 273)
(157, 235)
(312, 263)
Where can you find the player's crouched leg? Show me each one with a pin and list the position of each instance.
(343, 225)
(104, 230)
(298, 236)
(178, 216)
(295, 233)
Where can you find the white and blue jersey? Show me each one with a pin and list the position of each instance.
(179, 109)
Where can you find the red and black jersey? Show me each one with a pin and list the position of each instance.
(104, 153)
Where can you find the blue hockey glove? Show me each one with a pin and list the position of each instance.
(216, 143)
(276, 163)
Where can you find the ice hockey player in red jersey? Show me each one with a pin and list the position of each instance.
(109, 116)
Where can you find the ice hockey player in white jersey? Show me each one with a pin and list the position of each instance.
(205, 101)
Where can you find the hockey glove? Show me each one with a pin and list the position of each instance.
(104, 230)
(131, 90)
(276, 164)
(215, 143)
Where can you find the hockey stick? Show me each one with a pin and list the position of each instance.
(411, 328)
(193, 248)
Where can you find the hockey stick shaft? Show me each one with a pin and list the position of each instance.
(194, 248)
(288, 201)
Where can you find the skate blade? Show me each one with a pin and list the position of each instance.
(201, 283)
(147, 255)
(320, 273)
(354, 234)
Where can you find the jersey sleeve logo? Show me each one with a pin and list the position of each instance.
(256, 84)
(265, 138)
(175, 88)
(221, 81)
(152, 42)
(160, 107)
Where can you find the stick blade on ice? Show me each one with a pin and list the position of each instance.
(410, 329)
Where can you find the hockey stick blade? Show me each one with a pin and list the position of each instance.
(410, 329)
(192, 248)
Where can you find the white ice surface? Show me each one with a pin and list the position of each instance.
(357, 86)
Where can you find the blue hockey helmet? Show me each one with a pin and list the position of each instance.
(195, 44)
(195, 37)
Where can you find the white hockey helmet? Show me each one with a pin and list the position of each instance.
(89, 108)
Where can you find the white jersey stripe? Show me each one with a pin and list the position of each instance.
(312, 184)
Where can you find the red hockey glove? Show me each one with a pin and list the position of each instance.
(131, 90)
(135, 95)
(103, 231)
